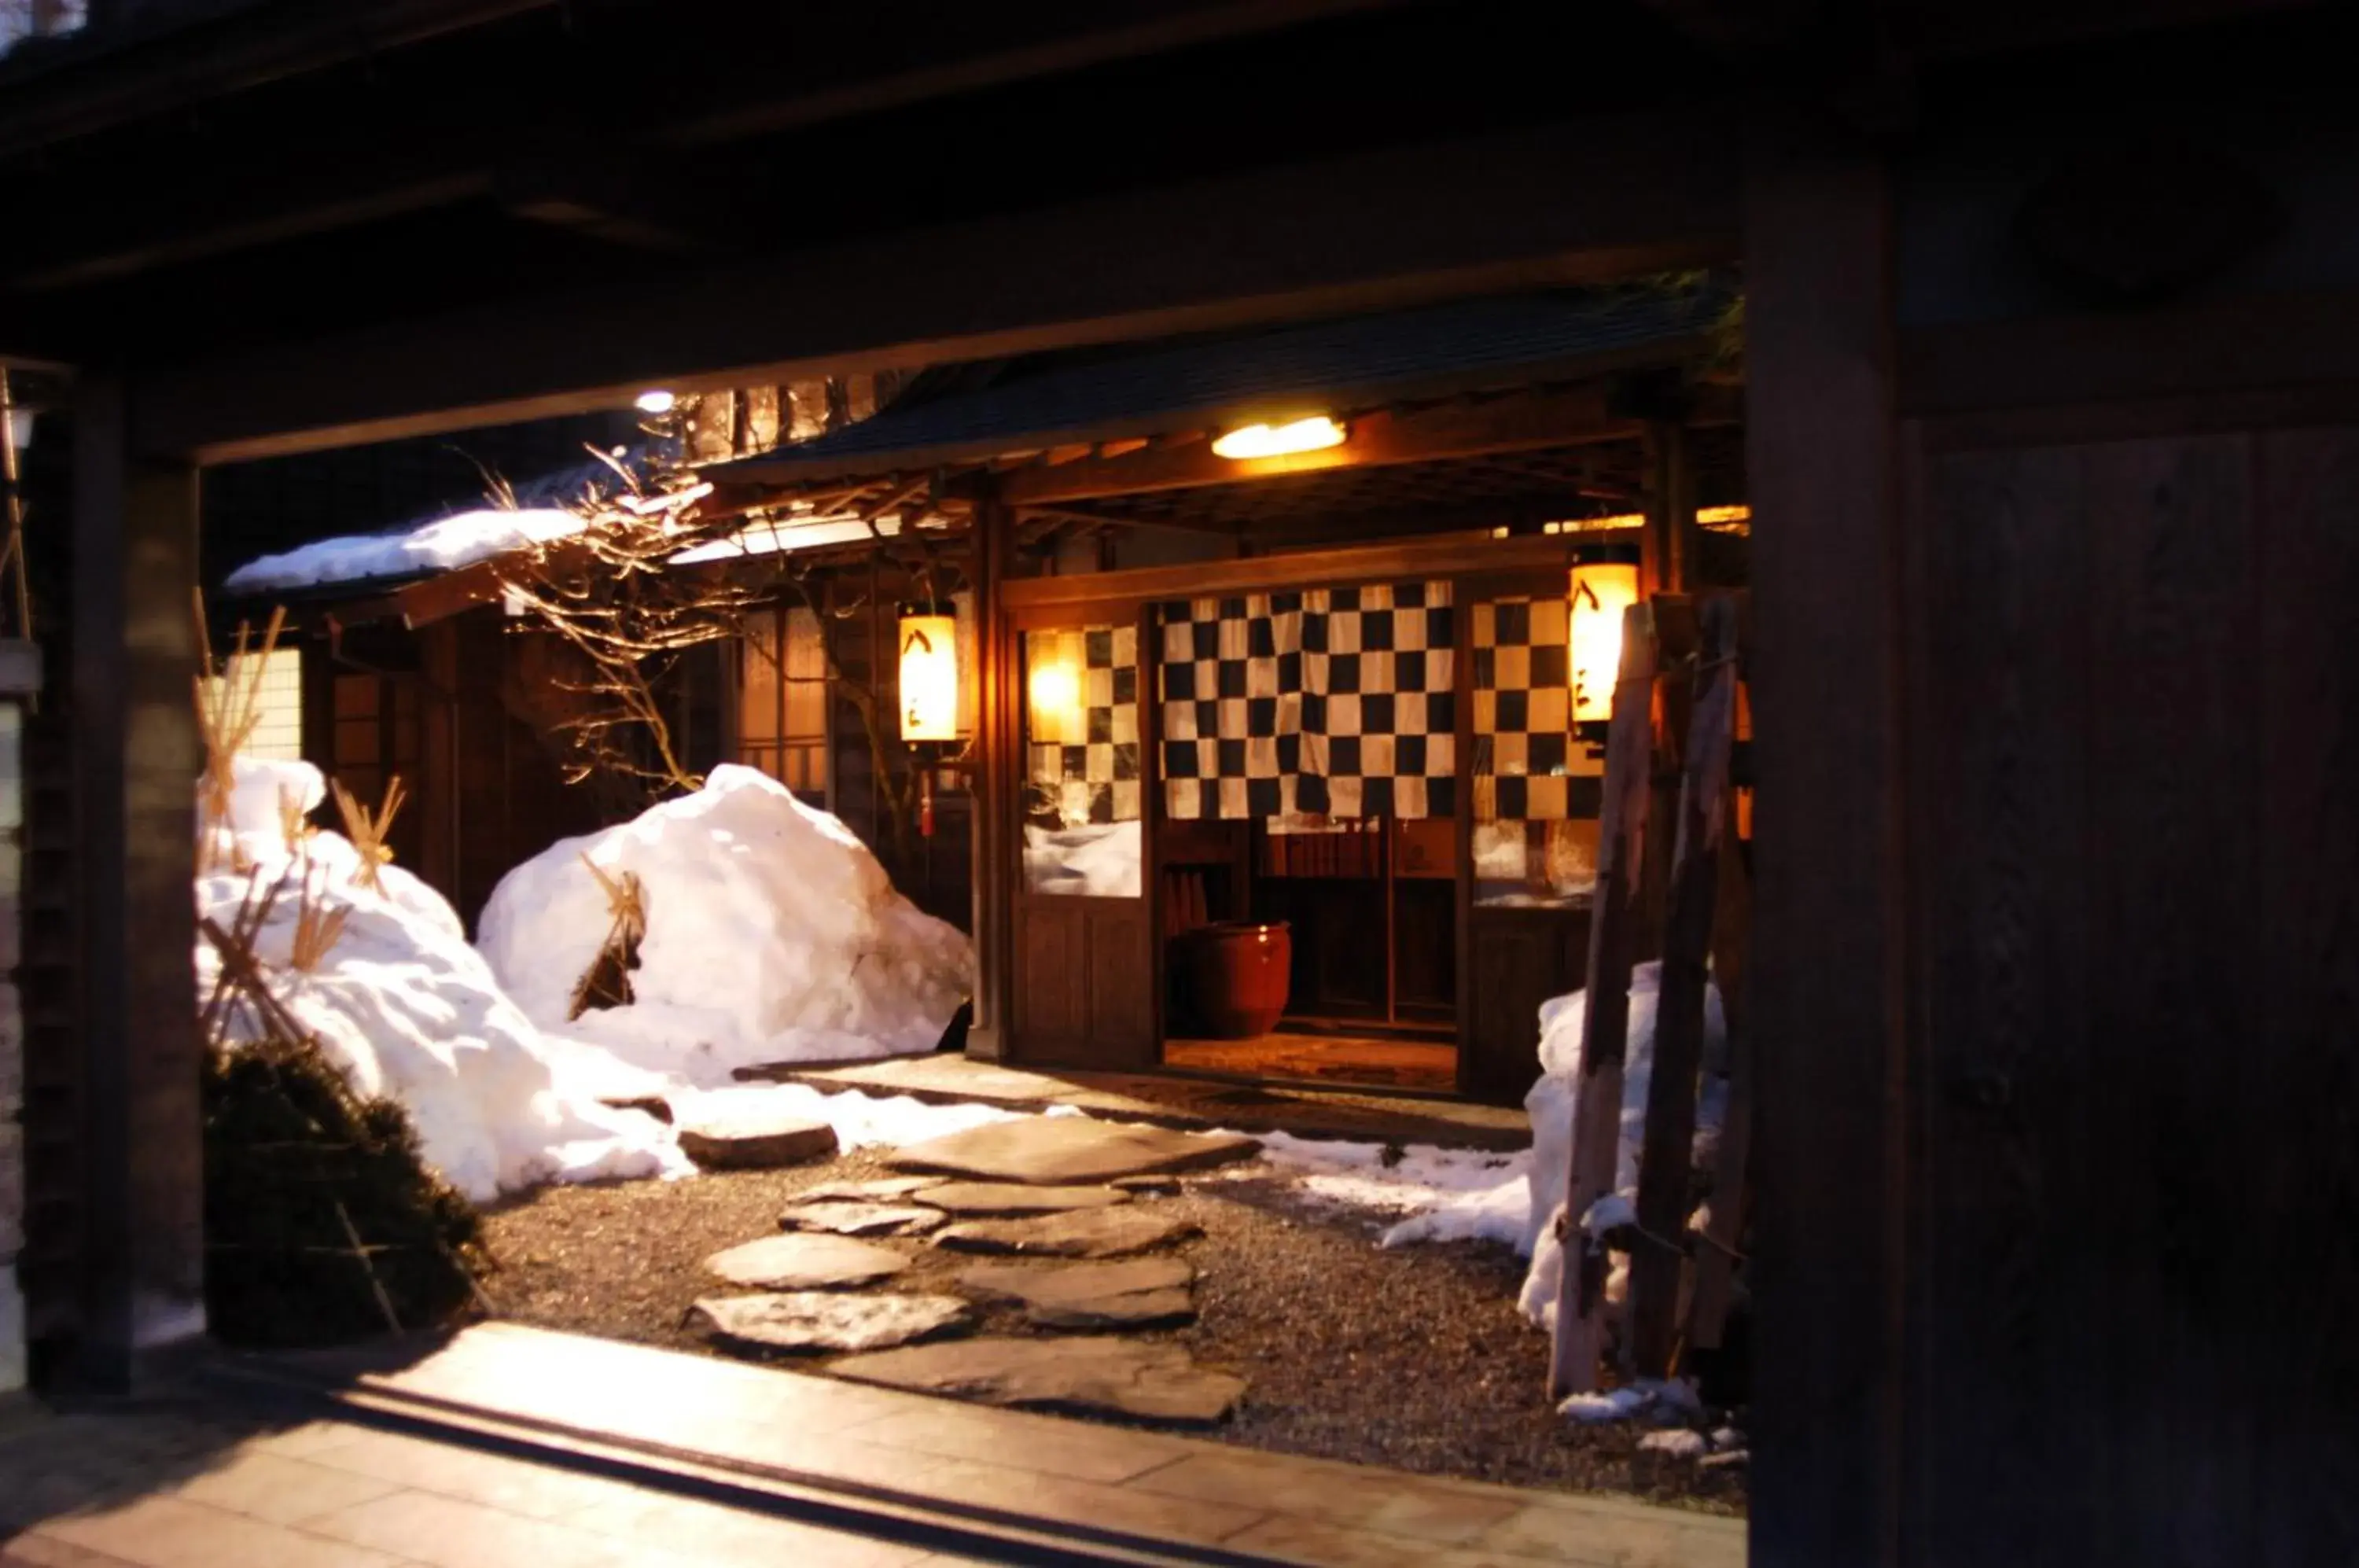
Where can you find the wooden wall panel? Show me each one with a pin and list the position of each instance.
(1051, 995)
(1122, 990)
(2301, 1172)
(1520, 958)
(2139, 1177)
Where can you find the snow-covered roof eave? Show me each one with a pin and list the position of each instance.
(360, 564)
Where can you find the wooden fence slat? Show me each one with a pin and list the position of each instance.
(1664, 1181)
(1615, 920)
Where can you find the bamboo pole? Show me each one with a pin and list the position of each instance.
(1616, 920)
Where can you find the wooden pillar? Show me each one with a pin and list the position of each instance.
(1827, 997)
(135, 762)
(993, 781)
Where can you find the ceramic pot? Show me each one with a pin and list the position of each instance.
(1240, 974)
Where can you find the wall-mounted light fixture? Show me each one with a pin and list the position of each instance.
(1315, 432)
(930, 696)
(930, 674)
(655, 400)
(1605, 585)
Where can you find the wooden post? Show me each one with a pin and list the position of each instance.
(1829, 1002)
(995, 751)
(136, 760)
(1613, 928)
(1663, 1171)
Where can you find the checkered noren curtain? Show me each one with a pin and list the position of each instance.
(1339, 702)
(1527, 767)
(1096, 777)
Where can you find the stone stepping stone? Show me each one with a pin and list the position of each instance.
(1092, 1233)
(872, 1192)
(829, 1321)
(1155, 1382)
(805, 1263)
(1049, 1151)
(847, 1218)
(1139, 1293)
(742, 1140)
(980, 1199)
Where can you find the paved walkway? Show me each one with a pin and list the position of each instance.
(518, 1446)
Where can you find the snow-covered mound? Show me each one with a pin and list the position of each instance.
(772, 935)
(409, 1010)
(459, 539)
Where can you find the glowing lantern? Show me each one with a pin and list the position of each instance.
(1053, 689)
(656, 401)
(1605, 585)
(1315, 433)
(930, 675)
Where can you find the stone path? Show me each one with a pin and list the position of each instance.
(1173, 1100)
(847, 1217)
(1042, 1186)
(742, 1140)
(996, 1199)
(829, 1320)
(1139, 1293)
(1117, 1376)
(805, 1263)
(1092, 1233)
(1063, 1150)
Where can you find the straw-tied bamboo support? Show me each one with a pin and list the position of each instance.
(229, 708)
(367, 830)
(607, 982)
(1703, 929)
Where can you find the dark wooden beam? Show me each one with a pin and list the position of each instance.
(1372, 231)
(1451, 429)
(1443, 557)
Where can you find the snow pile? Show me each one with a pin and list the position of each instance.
(772, 935)
(860, 1120)
(461, 539)
(1550, 1101)
(410, 1011)
(1550, 1105)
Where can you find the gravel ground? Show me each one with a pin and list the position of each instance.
(1414, 1358)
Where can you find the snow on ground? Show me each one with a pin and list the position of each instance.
(860, 1120)
(1440, 1195)
(409, 1010)
(772, 935)
(461, 539)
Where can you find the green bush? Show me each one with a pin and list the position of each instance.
(296, 1166)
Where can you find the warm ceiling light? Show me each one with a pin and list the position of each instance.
(658, 402)
(1315, 433)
